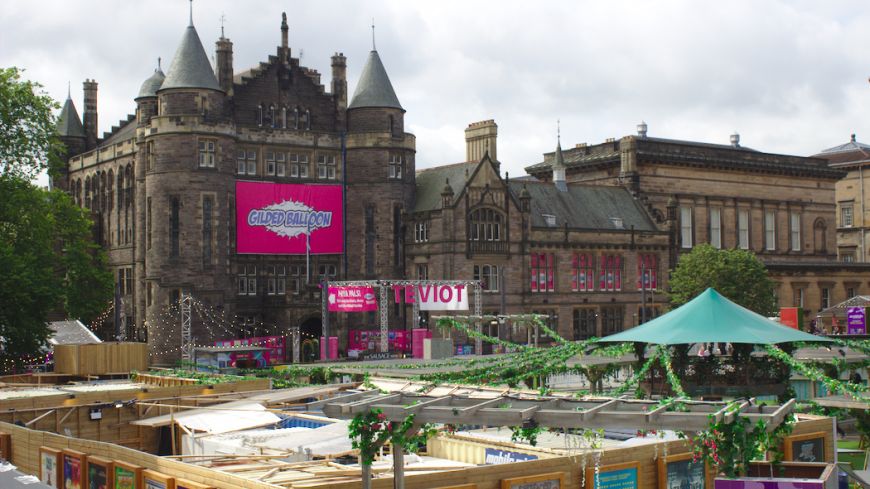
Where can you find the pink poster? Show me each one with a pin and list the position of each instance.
(276, 345)
(352, 299)
(362, 340)
(277, 218)
(417, 337)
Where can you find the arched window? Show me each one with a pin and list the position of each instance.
(485, 225)
(819, 236)
(271, 121)
(79, 192)
(111, 192)
(128, 188)
(120, 190)
(307, 120)
(283, 117)
(103, 202)
(296, 118)
(88, 192)
(260, 115)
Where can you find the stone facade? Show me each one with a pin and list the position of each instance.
(781, 207)
(161, 189)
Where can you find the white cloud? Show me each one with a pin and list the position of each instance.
(789, 76)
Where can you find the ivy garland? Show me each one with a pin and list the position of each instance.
(814, 373)
(371, 430)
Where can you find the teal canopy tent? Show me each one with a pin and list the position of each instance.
(710, 318)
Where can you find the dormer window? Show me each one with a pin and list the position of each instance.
(550, 219)
(617, 222)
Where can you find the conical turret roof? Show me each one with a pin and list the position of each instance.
(374, 88)
(190, 66)
(69, 123)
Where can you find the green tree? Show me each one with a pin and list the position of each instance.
(48, 261)
(28, 140)
(737, 274)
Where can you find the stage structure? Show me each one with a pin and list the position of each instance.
(422, 295)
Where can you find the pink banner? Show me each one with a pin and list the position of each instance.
(277, 218)
(352, 299)
(276, 345)
(362, 340)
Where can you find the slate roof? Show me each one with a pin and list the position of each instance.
(190, 66)
(122, 132)
(851, 152)
(584, 206)
(69, 123)
(152, 84)
(691, 152)
(374, 88)
(430, 183)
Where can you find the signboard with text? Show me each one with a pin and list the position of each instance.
(856, 320)
(288, 219)
(494, 456)
(433, 297)
(352, 298)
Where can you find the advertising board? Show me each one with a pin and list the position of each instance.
(287, 219)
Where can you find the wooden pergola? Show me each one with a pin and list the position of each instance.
(556, 412)
(546, 412)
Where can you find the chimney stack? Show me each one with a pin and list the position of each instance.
(641, 129)
(735, 140)
(339, 80)
(285, 43)
(480, 139)
(224, 64)
(89, 116)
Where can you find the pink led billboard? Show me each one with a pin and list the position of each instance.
(276, 218)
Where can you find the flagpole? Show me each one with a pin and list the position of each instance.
(307, 251)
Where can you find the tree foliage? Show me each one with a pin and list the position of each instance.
(737, 274)
(28, 141)
(47, 257)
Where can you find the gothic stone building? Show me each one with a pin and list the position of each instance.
(573, 251)
(780, 207)
(161, 187)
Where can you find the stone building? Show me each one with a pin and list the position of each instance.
(161, 187)
(852, 226)
(573, 251)
(781, 207)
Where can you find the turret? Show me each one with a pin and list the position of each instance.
(72, 135)
(146, 100)
(374, 106)
(190, 86)
(224, 63)
(559, 167)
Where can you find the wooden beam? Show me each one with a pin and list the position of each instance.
(36, 419)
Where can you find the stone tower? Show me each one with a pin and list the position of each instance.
(380, 169)
(72, 135)
(185, 189)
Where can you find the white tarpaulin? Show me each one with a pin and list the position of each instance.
(223, 418)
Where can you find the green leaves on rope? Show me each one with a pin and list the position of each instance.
(816, 374)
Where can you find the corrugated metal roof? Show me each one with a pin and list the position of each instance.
(374, 88)
(190, 66)
(585, 207)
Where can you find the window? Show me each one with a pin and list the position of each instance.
(611, 320)
(825, 301)
(396, 167)
(298, 166)
(370, 234)
(847, 256)
(543, 267)
(850, 292)
(174, 227)
(647, 272)
(327, 271)
(799, 298)
(846, 215)
(271, 120)
(686, 229)
(584, 324)
(247, 162)
(716, 227)
(306, 120)
(296, 118)
(277, 280)
(280, 164)
(582, 272)
(149, 293)
(148, 223)
(260, 115)
(295, 280)
(326, 167)
(247, 280)
(207, 217)
(421, 231)
(151, 156)
(743, 229)
(770, 230)
(422, 271)
(283, 117)
(270, 163)
(485, 225)
(125, 281)
(488, 276)
(610, 272)
(206, 153)
(795, 230)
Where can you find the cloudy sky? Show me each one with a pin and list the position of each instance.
(789, 76)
